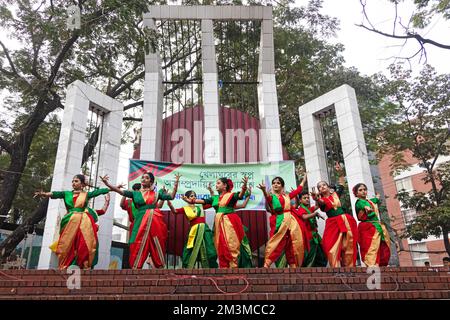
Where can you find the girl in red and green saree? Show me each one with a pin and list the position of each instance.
(373, 237)
(149, 233)
(315, 256)
(78, 242)
(230, 240)
(340, 236)
(200, 243)
(242, 205)
(287, 232)
(129, 207)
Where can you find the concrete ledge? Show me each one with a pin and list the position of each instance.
(227, 12)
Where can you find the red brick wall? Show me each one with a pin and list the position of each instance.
(393, 206)
(438, 245)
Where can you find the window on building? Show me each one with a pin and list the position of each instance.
(405, 183)
(419, 254)
(408, 215)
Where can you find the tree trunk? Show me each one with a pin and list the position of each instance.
(10, 243)
(11, 179)
(19, 155)
(445, 233)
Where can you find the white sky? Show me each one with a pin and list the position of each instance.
(369, 52)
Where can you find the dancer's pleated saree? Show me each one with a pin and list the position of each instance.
(77, 243)
(230, 240)
(340, 236)
(200, 243)
(315, 256)
(373, 237)
(287, 231)
(149, 233)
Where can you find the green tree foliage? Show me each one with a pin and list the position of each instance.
(107, 51)
(421, 126)
(39, 170)
(426, 9)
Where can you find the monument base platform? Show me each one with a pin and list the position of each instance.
(223, 284)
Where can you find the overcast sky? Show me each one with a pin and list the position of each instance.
(370, 52)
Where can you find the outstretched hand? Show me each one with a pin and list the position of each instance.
(39, 193)
(121, 186)
(305, 178)
(262, 186)
(105, 179)
(186, 199)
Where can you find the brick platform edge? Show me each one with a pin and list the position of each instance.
(223, 284)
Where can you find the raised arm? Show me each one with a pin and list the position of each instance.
(160, 204)
(197, 201)
(267, 196)
(211, 191)
(244, 187)
(105, 180)
(123, 203)
(175, 188)
(340, 172)
(172, 209)
(43, 194)
(247, 199)
(296, 192)
(105, 206)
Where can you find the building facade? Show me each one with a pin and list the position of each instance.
(411, 253)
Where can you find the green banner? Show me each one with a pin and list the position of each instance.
(197, 177)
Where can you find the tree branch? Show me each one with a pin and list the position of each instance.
(132, 105)
(5, 145)
(127, 85)
(121, 80)
(10, 243)
(60, 58)
(14, 71)
(8, 57)
(409, 35)
(182, 82)
(132, 119)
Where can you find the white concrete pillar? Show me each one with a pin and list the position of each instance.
(354, 149)
(267, 96)
(68, 163)
(314, 151)
(212, 136)
(108, 164)
(356, 162)
(153, 104)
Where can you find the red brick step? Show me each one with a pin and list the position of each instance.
(219, 284)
